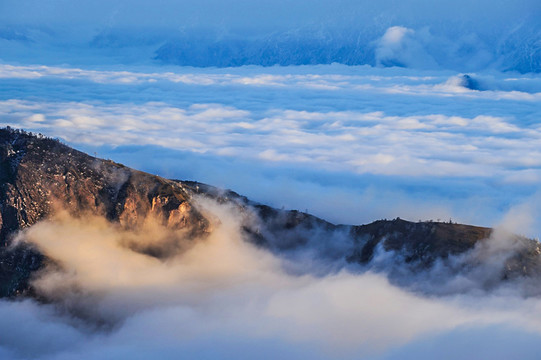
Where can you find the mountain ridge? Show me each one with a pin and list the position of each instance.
(40, 175)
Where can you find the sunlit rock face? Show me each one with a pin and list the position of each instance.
(40, 176)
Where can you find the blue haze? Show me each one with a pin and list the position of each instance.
(352, 110)
(460, 35)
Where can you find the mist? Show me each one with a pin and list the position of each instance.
(110, 300)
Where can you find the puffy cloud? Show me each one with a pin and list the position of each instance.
(403, 47)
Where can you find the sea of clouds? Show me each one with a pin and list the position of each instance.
(422, 110)
(349, 144)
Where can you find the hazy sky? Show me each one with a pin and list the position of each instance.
(261, 13)
(460, 35)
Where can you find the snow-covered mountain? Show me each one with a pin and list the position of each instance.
(463, 36)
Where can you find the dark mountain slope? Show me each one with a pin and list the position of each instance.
(411, 248)
(422, 241)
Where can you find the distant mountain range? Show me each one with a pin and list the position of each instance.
(40, 176)
(506, 48)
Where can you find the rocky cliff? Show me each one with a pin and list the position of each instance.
(39, 176)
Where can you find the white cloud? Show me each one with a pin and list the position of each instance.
(400, 46)
(346, 141)
(409, 128)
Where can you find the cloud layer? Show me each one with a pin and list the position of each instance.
(370, 142)
(351, 144)
(112, 301)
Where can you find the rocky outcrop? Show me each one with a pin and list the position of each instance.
(412, 247)
(422, 242)
(39, 176)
